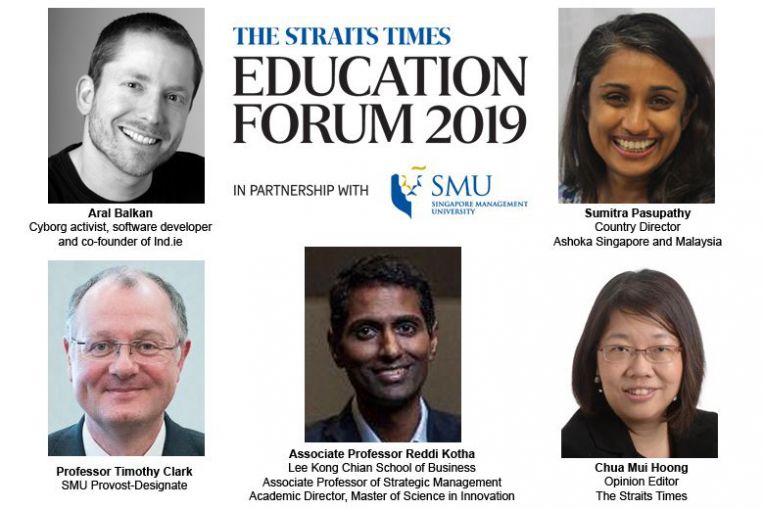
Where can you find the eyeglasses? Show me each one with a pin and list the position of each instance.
(659, 354)
(149, 352)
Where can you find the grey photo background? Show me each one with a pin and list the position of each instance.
(327, 389)
(187, 407)
(72, 34)
(576, 24)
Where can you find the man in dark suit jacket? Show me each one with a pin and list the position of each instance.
(126, 343)
(441, 427)
(178, 441)
(384, 335)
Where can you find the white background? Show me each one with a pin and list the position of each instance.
(524, 302)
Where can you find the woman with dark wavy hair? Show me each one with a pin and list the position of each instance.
(640, 120)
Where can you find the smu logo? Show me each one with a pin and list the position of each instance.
(405, 186)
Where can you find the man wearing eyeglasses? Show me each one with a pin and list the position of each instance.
(126, 343)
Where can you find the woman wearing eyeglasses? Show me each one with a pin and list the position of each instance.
(637, 375)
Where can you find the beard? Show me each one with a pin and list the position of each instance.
(135, 162)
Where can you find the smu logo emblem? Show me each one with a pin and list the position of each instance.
(404, 186)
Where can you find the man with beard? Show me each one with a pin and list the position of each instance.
(384, 335)
(143, 77)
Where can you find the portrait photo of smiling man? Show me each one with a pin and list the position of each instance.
(136, 95)
(125, 343)
(383, 332)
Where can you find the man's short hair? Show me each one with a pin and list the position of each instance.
(129, 278)
(381, 270)
(147, 22)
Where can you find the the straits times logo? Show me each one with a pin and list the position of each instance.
(455, 194)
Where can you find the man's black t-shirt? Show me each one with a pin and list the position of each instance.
(179, 180)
